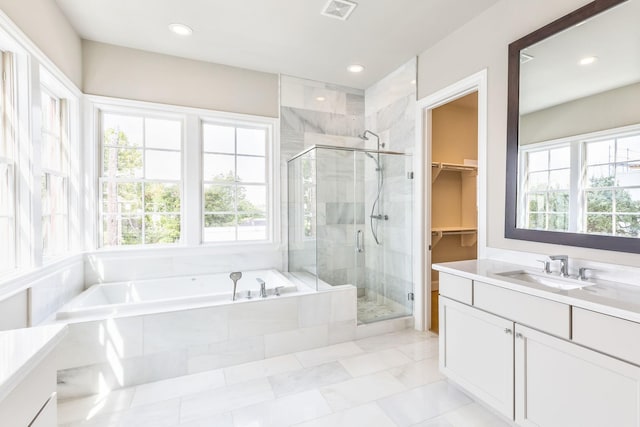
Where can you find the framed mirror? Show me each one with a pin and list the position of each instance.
(573, 130)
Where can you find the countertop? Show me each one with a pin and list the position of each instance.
(612, 298)
(22, 349)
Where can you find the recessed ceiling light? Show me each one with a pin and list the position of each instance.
(180, 29)
(320, 98)
(588, 60)
(355, 68)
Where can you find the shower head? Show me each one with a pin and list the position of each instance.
(364, 137)
(369, 155)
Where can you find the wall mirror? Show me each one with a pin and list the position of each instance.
(573, 136)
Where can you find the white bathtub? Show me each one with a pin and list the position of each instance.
(156, 294)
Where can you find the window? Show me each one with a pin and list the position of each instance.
(141, 179)
(585, 184)
(235, 184)
(611, 190)
(547, 185)
(55, 175)
(7, 168)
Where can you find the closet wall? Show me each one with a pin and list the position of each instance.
(454, 215)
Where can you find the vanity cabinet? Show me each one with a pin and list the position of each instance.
(476, 351)
(567, 367)
(560, 384)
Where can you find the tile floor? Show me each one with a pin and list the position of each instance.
(387, 380)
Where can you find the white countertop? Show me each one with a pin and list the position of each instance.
(615, 299)
(22, 349)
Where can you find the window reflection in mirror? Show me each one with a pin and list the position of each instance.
(579, 128)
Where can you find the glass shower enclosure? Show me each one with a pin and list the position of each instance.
(350, 222)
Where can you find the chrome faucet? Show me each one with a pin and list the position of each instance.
(263, 288)
(564, 264)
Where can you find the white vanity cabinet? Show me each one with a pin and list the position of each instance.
(476, 351)
(560, 384)
(539, 362)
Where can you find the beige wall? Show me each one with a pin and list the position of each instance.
(145, 76)
(43, 22)
(482, 43)
(607, 110)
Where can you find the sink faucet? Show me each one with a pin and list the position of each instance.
(263, 288)
(564, 264)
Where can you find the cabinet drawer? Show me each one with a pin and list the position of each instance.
(607, 334)
(539, 313)
(456, 287)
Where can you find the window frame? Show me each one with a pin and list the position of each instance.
(578, 175)
(268, 180)
(192, 219)
(9, 159)
(144, 114)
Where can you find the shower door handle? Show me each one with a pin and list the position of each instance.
(359, 241)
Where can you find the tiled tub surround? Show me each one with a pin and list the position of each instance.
(383, 381)
(135, 295)
(100, 354)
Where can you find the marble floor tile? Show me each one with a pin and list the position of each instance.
(369, 415)
(392, 340)
(222, 420)
(328, 354)
(308, 378)
(381, 381)
(225, 399)
(472, 415)
(418, 373)
(421, 350)
(361, 390)
(285, 411)
(177, 387)
(374, 362)
(261, 369)
(86, 408)
(423, 403)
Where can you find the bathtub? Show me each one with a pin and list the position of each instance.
(132, 297)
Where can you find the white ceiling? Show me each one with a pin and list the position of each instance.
(279, 36)
(554, 77)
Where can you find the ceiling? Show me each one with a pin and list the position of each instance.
(278, 36)
(554, 76)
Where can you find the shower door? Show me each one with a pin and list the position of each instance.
(383, 234)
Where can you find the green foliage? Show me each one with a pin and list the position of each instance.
(601, 202)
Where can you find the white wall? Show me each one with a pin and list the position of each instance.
(145, 76)
(606, 110)
(43, 22)
(483, 43)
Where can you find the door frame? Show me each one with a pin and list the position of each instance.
(422, 262)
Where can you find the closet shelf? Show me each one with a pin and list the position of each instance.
(437, 167)
(468, 235)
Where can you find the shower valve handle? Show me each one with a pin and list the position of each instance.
(359, 241)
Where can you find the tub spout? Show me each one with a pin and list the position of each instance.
(235, 276)
(263, 288)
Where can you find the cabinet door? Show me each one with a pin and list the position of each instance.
(561, 384)
(476, 351)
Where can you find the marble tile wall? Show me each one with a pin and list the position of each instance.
(121, 352)
(390, 110)
(306, 121)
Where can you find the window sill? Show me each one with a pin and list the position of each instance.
(204, 248)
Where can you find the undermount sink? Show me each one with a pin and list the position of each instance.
(543, 279)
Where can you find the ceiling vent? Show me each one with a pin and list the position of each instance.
(339, 9)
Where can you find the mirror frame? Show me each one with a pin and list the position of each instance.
(612, 243)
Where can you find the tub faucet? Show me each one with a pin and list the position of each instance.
(263, 288)
(564, 264)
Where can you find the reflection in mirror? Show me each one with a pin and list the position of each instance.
(574, 130)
